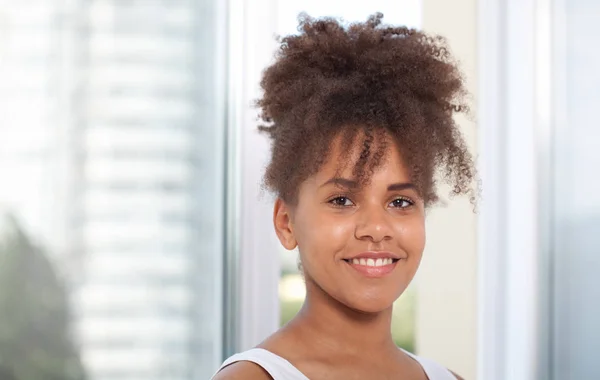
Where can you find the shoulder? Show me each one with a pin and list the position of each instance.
(432, 368)
(242, 370)
(455, 375)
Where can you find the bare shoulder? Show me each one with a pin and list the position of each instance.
(455, 375)
(243, 370)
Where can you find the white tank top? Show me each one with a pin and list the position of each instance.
(281, 369)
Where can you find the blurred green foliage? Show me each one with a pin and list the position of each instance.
(35, 339)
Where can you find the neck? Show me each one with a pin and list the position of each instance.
(335, 327)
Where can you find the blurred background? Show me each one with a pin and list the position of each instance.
(136, 243)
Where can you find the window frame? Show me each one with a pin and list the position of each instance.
(516, 124)
(251, 263)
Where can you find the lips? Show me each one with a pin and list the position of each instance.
(375, 255)
(373, 264)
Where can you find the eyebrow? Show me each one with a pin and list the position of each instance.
(352, 184)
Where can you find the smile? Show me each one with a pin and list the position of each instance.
(371, 262)
(371, 267)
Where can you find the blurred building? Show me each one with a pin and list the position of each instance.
(108, 152)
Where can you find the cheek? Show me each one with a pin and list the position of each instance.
(412, 236)
(324, 234)
(334, 231)
(321, 238)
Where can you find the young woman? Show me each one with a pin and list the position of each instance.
(361, 123)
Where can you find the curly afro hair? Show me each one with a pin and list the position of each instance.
(371, 82)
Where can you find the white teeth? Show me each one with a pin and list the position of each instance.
(373, 262)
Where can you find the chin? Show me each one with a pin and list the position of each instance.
(370, 305)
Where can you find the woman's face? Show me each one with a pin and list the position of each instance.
(360, 245)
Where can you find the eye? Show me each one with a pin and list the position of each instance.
(401, 203)
(341, 201)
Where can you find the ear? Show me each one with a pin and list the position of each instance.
(282, 220)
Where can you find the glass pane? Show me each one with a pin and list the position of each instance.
(577, 197)
(291, 285)
(111, 195)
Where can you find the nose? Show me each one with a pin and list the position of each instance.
(373, 223)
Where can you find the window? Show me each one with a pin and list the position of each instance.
(575, 204)
(112, 202)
